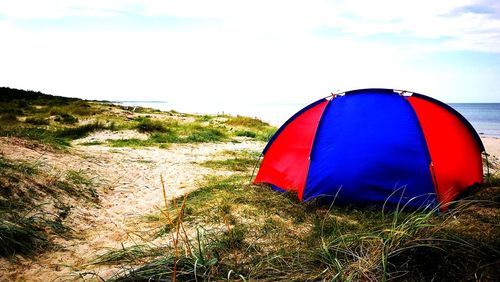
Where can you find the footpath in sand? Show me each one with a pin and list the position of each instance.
(128, 183)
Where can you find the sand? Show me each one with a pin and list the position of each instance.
(128, 181)
(492, 146)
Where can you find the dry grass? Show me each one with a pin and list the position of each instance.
(230, 228)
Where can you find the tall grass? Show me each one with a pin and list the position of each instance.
(235, 230)
(236, 161)
(81, 131)
(33, 206)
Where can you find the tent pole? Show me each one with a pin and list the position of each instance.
(255, 167)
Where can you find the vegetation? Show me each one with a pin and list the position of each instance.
(231, 229)
(26, 195)
(66, 118)
(56, 121)
(234, 161)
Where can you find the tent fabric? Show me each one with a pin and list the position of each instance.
(286, 164)
(455, 153)
(375, 147)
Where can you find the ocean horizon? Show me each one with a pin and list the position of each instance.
(484, 117)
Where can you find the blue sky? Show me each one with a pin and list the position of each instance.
(276, 51)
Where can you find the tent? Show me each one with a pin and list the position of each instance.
(375, 147)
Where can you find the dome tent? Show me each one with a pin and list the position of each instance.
(375, 146)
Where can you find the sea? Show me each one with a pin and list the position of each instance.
(484, 117)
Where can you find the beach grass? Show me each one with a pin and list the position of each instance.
(57, 121)
(248, 232)
(31, 210)
(235, 161)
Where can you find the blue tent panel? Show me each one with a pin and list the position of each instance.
(370, 153)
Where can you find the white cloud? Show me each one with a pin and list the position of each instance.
(266, 50)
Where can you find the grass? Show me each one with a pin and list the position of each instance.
(247, 122)
(126, 254)
(234, 161)
(132, 142)
(245, 133)
(92, 143)
(37, 121)
(72, 133)
(248, 232)
(56, 121)
(163, 133)
(229, 229)
(66, 118)
(148, 125)
(22, 234)
(26, 224)
(29, 115)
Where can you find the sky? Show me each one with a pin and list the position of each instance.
(259, 51)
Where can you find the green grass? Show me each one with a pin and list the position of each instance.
(132, 142)
(72, 133)
(251, 127)
(247, 122)
(92, 143)
(21, 234)
(37, 110)
(66, 118)
(246, 133)
(25, 225)
(149, 125)
(234, 161)
(201, 134)
(56, 121)
(37, 121)
(57, 138)
(255, 233)
(164, 133)
(8, 117)
(78, 107)
(127, 254)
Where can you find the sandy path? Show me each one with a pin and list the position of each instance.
(129, 186)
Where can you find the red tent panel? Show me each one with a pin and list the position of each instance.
(286, 161)
(454, 151)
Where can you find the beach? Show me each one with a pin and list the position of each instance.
(492, 146)
(118, 189)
